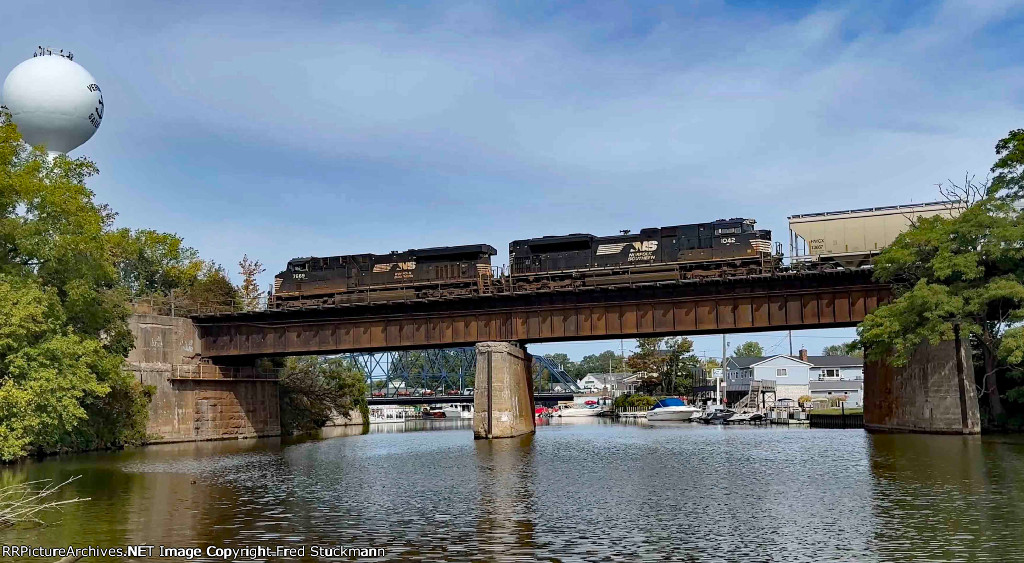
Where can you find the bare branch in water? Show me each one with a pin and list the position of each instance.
(24, 501)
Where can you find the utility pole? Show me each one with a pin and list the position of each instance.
(791, 343)
(718, 383)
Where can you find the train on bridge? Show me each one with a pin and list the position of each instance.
(717, 249)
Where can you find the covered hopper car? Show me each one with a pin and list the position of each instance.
(850, 239)
(414, 274)
(720, 248)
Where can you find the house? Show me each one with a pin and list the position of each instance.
(794, 377)
(613, 384)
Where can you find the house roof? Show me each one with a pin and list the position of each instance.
(744, 362)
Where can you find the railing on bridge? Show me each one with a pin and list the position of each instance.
(211, 372)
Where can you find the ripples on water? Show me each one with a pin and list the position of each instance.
(596, 491)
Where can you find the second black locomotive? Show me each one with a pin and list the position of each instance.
(723, 247)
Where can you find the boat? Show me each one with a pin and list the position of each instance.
(577, 411)
(723, 415)
(430, 412)
(464, 410)
(738, 418)
(379, 415)
(671, 408)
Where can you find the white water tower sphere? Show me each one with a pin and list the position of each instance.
(53, 101)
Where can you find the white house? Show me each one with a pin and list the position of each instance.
(613, 384)
(794, 377)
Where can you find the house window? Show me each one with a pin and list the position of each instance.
(781, 372)
(830, 373)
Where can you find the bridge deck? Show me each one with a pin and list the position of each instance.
(776, 302)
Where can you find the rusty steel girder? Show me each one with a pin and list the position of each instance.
(776, 302)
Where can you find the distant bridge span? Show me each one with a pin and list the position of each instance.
(741, 304)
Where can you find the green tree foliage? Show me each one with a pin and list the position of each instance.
(967, 273)
(153, 263)
(664, 365)
(63, 310)
(634, 401)
(314, 389)
(600, 363)
(851, 348)
(749, 349)
(1008, 180)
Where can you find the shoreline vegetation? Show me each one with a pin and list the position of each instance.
(68, 277)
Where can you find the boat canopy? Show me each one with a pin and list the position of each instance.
(668, 402)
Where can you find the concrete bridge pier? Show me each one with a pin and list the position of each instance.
(933, 394)
(503, 391)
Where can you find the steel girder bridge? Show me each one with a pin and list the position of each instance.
(444, 372)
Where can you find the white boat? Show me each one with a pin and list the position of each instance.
(671, 408)
(464, 410)
(380, 415)
(577, 411)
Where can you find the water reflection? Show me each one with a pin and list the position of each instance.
(591, 491)
(505, 506)
(947, 497)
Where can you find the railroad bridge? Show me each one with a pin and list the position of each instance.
(934, 396)
(740, 304)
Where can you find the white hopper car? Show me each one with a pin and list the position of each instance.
(850, 239)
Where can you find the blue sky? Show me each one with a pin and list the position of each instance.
(305, 128)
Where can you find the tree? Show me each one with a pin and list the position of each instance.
(851, 348)
(63, 310)
(249, 291)
(314, 389)
(749, 349)
(664, 364)
(605, 362)
(153, 263)
(1008, 182)
(961, 274)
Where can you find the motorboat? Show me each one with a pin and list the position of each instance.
(723, 415)
(671, 408)
(429, 412)
(464, 410)
(577, 411)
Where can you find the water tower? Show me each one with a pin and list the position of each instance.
(53, 101)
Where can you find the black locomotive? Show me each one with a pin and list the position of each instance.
(719, 248)
(414, 274)
(727, 247)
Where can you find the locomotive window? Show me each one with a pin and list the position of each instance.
(727, 231)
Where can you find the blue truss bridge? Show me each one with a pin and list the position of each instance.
(445, 375)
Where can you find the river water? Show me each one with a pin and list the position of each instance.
(590, 491)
